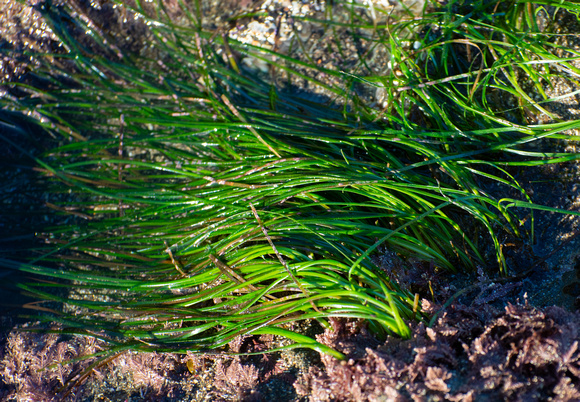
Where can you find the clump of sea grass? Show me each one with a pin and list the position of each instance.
(213, 204)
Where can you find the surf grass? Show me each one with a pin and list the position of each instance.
(211, 203)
